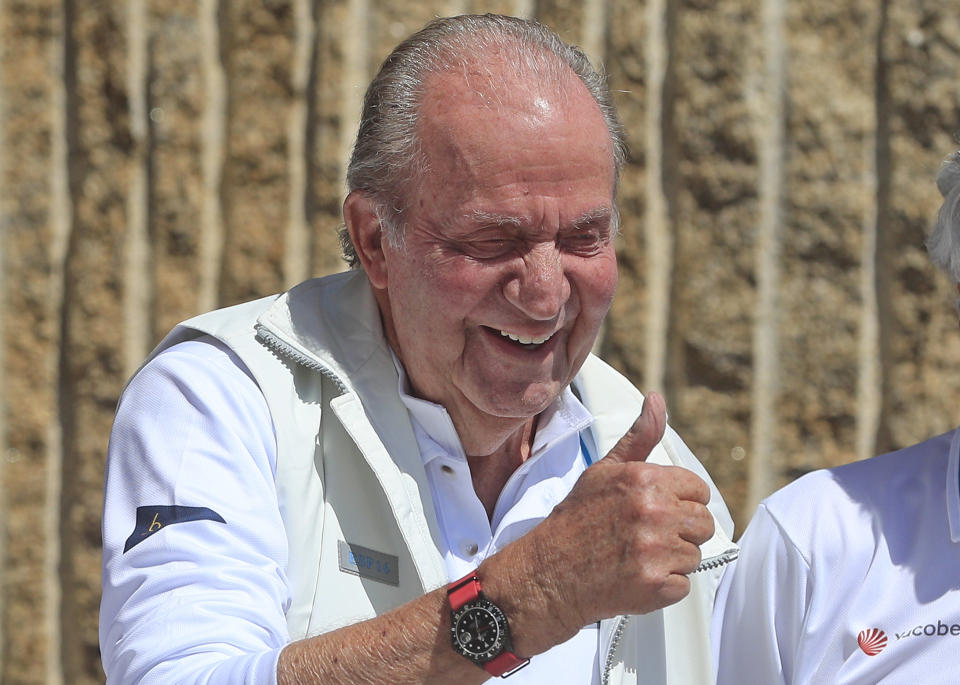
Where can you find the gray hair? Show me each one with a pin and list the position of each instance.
(943, 245)
(387, 156)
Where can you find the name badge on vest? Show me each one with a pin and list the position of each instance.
(368, 563)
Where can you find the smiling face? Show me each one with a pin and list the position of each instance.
(507, 266)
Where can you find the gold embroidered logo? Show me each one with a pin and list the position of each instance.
(151, 520)
(154, 525)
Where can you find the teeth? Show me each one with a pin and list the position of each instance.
(526, 341)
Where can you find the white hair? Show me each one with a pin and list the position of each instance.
(943, 245)
(387, 155)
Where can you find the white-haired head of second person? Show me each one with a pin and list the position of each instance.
(943, 245)
(386, 155)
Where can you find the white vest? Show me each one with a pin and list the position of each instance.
(349, 471)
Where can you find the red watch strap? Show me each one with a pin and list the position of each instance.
(464, 590)
(504, 663)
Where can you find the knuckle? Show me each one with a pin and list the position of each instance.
(644, 477)
(692, 558)
(700, 525)
(633, 474)
(703, 491)
(654, 509)
(709, 527)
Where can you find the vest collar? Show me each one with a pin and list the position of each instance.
(329, 323)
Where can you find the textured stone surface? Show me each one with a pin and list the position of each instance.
(921, 45)
(773, 280)
(331, 126)
(257, 39)
(711, 176)
(31, 331)
(100, 149)
(173, 120)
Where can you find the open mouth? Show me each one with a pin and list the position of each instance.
(529, 343)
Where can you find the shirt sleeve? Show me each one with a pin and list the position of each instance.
(761, 607)
(194, 549)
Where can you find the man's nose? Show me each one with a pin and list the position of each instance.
(540, 287)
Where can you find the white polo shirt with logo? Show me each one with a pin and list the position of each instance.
(850, 575)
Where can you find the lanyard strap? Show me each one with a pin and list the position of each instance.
(584, 451)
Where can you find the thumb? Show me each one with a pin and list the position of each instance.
(644, 434)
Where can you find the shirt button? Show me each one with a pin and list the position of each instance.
(446, 468)
(471, 548)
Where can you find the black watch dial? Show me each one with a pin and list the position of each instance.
(479, 630)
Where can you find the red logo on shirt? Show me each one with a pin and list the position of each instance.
(872, 641)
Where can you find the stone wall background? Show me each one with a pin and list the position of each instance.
(161, 158)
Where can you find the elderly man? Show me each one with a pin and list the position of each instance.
(851, 576)
(385, 476)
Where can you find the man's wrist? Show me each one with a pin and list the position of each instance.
(541, 614)
(480, 630)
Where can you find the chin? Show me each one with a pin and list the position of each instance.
(523, 403)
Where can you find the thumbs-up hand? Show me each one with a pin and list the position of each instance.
(643, 435)
(625, 538)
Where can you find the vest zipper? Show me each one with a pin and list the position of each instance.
(285, 349)
(719, 560)
(612, 649)
(705, 565)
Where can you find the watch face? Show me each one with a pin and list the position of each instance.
(478, 630)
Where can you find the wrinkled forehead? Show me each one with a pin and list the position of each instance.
(484, 113)
(499, 79)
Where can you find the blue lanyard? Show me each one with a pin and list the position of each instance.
(584, 451)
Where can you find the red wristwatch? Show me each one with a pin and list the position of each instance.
(479, 629)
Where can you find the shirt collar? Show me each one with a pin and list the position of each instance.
(434, 428)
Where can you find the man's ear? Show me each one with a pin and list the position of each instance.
(363, 224)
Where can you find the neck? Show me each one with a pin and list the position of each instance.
(490, 469)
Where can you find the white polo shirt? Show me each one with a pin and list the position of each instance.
(850, 576)
(194, 426)
(542, 481)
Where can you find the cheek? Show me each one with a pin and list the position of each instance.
(437, 300)
(422, 282)
(608, 284)
(462, 286)
(597, 283)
